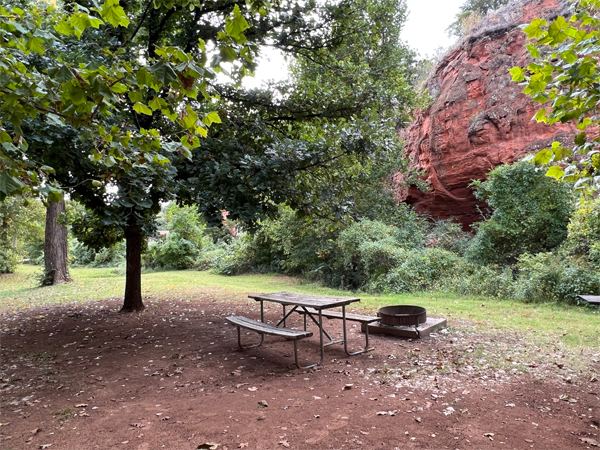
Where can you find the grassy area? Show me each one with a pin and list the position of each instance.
(550, 323)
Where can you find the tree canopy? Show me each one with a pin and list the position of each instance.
(142, 116)
(564, 77)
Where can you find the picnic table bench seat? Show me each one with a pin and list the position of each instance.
(263, 328)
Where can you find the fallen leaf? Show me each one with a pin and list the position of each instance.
(418, 419)
(263, 404)
(36, 431)
(166, 418)
(43, 446)
(81, 405)
(125, 442)
(239, 385)
(243, 445)
(529, 441)
(364, 432)
(348, 386)
(285, 443)
(490, 436)
(253, 389)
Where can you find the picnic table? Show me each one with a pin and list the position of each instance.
(592, 299)
(311, 307)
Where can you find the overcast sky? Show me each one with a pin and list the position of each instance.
(424, 31)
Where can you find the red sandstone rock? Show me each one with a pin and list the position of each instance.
(479, 118)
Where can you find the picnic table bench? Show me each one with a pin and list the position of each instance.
(309, 305)
(263, 328)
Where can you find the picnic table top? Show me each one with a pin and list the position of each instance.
(590, 298)
(313, 301)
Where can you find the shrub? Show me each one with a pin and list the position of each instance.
(233, 258)
(418, 271)
(472, 279)
(584, 232)
(530, 214)
(548, 277)
(448, 235)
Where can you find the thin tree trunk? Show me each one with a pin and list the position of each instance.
(133, 274)
(55, 246)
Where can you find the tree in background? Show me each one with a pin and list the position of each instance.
(21, 231)
(56, 264)
(471, 13)
(530, 214)
(564, 77)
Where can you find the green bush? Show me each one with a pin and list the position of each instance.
(473, 279)
(418, 270)
(584, 232)
(448, 235)
(548, 277)
(81, 255)
(530, 214)
(231, 258)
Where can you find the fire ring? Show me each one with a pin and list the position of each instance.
(402, 315)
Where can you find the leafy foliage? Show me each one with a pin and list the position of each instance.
(584, 232)
(530, 214)
(22, 222)
(564, 77)
(41, 75)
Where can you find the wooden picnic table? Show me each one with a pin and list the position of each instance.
(311, 306)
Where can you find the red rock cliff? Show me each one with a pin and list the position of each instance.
(479, 118)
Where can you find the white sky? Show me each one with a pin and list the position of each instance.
(424, 31)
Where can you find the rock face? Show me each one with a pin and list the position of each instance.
(479, 118)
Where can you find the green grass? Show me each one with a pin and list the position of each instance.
(548, 323)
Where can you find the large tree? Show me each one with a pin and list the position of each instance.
(301, 142)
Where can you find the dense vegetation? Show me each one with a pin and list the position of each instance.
(304, 169)
(538, 243)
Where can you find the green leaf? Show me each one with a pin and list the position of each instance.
(517, 74)
(154, 103)
(114, 14)
(235, 27)
(163, 72)
(119, 88)
(534, 30)
(9, 185)
(160, 159)
(557, 30)
(35, 44)
(211, 117)
(140, 108)
(555, 172)
(135, 96)
(543, 156)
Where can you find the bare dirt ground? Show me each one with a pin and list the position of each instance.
(86, 377)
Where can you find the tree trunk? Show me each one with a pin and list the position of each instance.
(133, 274)
(55, 246)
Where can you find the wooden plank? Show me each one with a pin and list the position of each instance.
(595, 299)
(313, 301)
(338, 315)
(265, 328)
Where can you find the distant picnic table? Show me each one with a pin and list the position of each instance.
(593, 299)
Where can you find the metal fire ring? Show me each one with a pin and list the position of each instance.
(402, 315)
